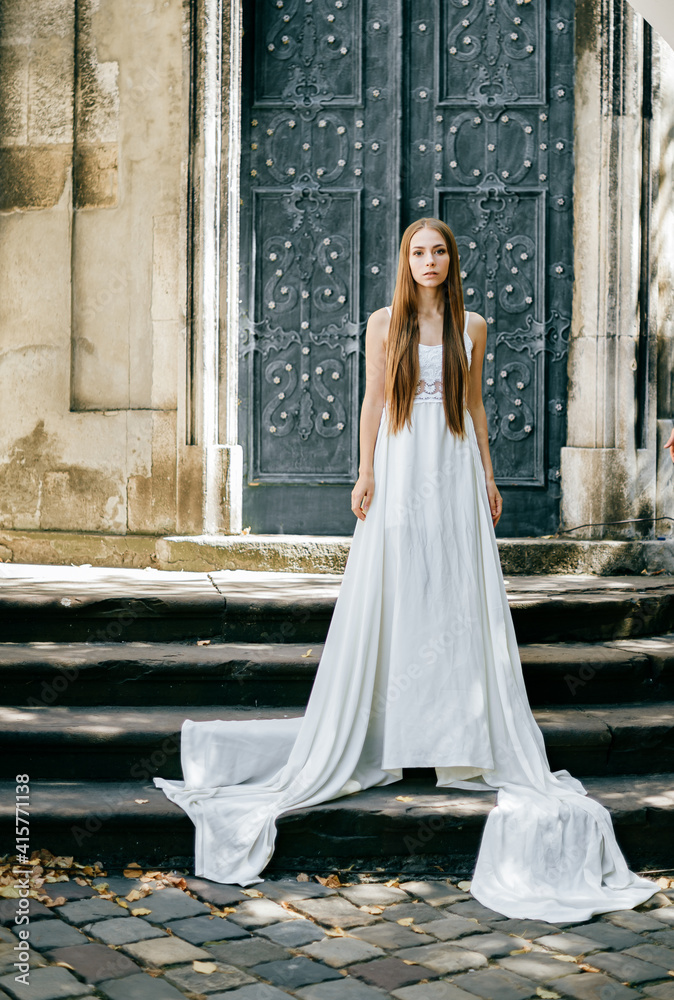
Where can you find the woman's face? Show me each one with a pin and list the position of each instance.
(429, 259)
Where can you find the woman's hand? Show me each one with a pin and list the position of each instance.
(495, 501)
(363, 492)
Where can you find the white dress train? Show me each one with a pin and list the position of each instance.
(420, 669)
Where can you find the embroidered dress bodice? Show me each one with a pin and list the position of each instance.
(429, 386)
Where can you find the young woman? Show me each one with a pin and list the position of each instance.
(420, 666)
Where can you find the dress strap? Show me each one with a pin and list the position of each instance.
(389, 310)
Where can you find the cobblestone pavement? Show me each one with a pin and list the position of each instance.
(154, 936)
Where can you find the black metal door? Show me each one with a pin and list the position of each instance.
(360, 116)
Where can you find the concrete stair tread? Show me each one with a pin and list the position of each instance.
(410, 822)
(16, 654)
(109, 742)
(281, 674)
(62, 580)
(74, 800)
(110, 722)
(93, 604)
(117, 723)
(169, 655)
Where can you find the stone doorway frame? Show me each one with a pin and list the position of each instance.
(619, 308)
(620, 402)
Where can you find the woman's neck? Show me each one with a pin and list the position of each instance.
(430, 302)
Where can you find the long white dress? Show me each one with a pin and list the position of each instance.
(420, 669)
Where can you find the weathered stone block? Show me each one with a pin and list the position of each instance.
(84, 911)
(248, 953)
(50, 92)
(225, 977)
(295, 972)
(33, 177)
(165, 951)
(14, 60)
(115, 932)
(96, 176)
(172, 904)
(49, 984)
(341, 951)
(293, 933)
(95, 962)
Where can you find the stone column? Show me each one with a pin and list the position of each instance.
(599, 465)
(663, 273)
(213, 351)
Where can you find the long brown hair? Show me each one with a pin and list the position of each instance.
(402, 353)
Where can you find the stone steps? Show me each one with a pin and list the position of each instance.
(244, 606)
(99, 668)
(114, 742)
(38, 675)
(410, 825)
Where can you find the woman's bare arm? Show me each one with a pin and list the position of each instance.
(477, 331)
(371, 410)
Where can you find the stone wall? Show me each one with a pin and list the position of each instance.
(93, 141)
(103, 379)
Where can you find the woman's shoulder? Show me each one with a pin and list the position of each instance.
(377, 327)
(381, 315)
(476, 328)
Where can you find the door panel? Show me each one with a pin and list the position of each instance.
(358, 118)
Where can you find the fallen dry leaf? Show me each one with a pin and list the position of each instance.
(393, 883)
(206, 967)
(141, 802)
(405, 921)
(586, 967)
(59, 901)
(408, 961)
(132, 871)
(140, 911)
(404, 798)
(203, 642)
(308, 653)
(254, 893)
(123, 902)
(464, 885)
(134, 895)
(302, 877)
(9, 892)
(332, 881)
(547, 994)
